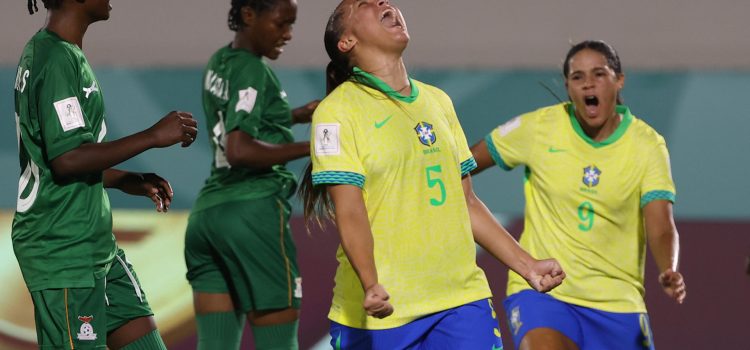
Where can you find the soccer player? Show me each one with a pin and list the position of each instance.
(85, 292)
(390, 155)
(598, 187)
(239, 251)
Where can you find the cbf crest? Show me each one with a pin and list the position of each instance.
(425, 133)
(591, 175)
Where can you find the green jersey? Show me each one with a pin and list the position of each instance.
(62, 229)
(240, 92)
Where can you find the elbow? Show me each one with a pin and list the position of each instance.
(64, 167)
(233, 158)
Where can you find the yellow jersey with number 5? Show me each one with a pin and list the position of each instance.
(408, 155)
(584, 201)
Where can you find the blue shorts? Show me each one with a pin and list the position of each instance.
(589, 328)
(470, 326)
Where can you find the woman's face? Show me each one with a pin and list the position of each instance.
(374, 23)
(593, 86)
(270, 31)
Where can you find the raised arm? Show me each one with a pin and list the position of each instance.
(357, 242)
(175, 127)
(664, 243)
(542, 275)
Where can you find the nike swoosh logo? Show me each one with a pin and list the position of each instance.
(555, 150)
(380, 124)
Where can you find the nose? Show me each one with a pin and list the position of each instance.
(588, 82)
(383, 2)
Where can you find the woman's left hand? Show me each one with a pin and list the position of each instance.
(545, 275)
(149, 185)
(673, 284)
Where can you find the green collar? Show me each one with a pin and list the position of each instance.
(374, 82)
(627, 118)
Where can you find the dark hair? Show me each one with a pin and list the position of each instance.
(609, 53)
(339, 69)
(234, 19)
(315, 200)
(48, 4)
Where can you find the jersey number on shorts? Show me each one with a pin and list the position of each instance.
(435, 181)
(586, 215)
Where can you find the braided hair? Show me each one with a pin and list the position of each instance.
(48, 4)
(234, 19)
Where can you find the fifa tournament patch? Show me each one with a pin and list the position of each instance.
(327, 139)
(298, 287)
(87, 330)
(247, 100)
(69, 113)
(509, 126)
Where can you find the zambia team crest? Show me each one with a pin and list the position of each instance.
(425, 133)
(591, 175)
(87, 330)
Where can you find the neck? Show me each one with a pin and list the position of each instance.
(242, 41)
(602, 132)
(69, 25)
(388, 68)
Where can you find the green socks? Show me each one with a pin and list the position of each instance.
(150, 341)
(220, 330)
(276, 337)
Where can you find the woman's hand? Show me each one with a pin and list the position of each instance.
(545, 275)
(376, 302)
(673, 284)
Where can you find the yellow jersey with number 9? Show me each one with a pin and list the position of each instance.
(408, 154)
(584, 201)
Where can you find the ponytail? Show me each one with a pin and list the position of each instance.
(336, 74)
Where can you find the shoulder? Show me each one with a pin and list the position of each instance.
(52, 51)
(645, 135)
(432, 91)
(338, 101)
(547, 115)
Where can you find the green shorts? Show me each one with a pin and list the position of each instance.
(81, 318)
(245, 249)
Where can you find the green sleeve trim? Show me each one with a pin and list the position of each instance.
(467, 166)
(338, 178)
(495, 154)
(657, 195)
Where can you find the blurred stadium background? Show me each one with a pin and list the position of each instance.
(688, 75)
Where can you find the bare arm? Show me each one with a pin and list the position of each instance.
(175, 127)
(482, 156)
(303, 114)
(664, 243)
(357, 242)
(542, 275)
(245, 151)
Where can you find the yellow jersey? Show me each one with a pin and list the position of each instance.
(584, 201)
(408, 154)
